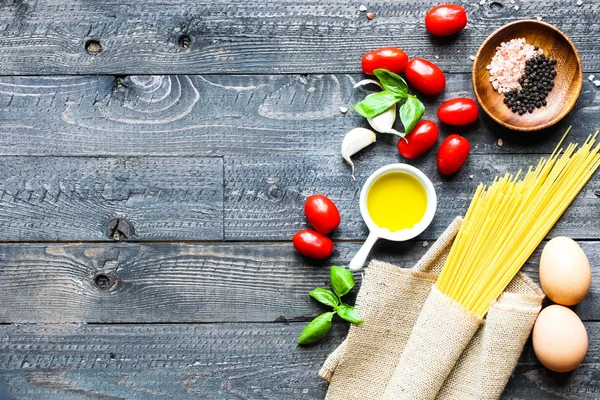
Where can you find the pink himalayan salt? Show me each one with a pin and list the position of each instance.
(508, 64)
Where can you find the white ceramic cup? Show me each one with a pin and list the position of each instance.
(376, 232)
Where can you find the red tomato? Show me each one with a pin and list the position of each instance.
(446, 19)
(312, 244)
(452, 154)
(389, 58)
(459, 111)
(321, 213)
(425, 76)
(419, 140)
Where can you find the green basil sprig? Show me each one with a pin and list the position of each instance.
(394, 90)
(342, 282)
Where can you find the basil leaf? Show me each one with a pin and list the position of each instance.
(324, 296)
(341, 280)
(374, 105)
(316, 329)
(392, 82)
(349, 314)
(410, 113)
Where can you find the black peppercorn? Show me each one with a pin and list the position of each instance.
(536, 83)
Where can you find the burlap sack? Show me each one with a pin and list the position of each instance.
(390, 301)
(441, 333)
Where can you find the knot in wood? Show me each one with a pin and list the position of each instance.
(102, 281)
(496, 6)
(185, 42)
(273, 191)
(93, 47)
(119, 229)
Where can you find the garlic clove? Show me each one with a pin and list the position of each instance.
(384, 122)
(354, 141)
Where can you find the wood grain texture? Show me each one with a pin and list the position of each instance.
(227, 361)
(227, 115)
(164, 282)
(183, 198)
(222, 361)
(281, 36)
(73, 198)
(264, 196)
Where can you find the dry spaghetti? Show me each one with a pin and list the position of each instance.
(507, 221)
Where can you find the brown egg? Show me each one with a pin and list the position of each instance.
(560, 340)
(565, 273)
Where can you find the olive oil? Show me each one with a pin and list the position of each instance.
(396, 201)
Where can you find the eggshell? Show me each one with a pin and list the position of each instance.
(565, 273)
(560, 340)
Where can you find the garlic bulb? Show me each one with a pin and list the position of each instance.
(354, 141)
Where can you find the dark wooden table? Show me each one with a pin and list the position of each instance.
(201, 127)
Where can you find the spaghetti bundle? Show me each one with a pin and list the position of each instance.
(508, 220)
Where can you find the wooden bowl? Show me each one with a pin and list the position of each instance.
(567, 83)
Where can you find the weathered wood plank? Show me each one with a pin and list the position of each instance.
(282, 36)
(264, 196)
(164, 282)
(223, 361)
(226, 115)
(73, 198)
(233, 361)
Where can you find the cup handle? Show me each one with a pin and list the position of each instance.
(359, 259)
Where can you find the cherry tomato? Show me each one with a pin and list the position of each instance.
(452, 154)
(389, 58)
(459, 111)
(425, 76)
(312, 244)
(321, 213)
(446, 19)
(419, 140)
